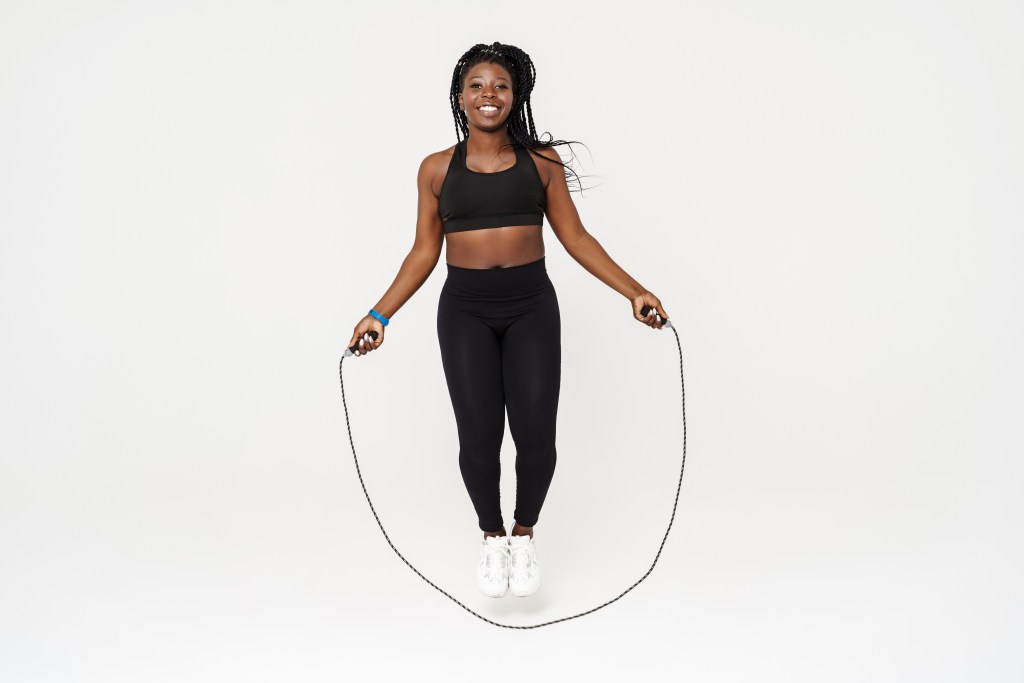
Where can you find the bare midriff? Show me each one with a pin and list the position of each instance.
(511, 245)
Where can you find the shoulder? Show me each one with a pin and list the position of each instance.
(433, 169)
(545, 169)
(437, 161)
(548, 152)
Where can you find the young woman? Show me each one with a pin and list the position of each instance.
(498, 321)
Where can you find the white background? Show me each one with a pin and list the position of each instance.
(199, 200)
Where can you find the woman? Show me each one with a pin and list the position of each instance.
(498, 321)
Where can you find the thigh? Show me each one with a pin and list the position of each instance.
(471, 356)
(531, 353)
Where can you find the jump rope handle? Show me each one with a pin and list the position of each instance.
(355, 347)
(645, 309)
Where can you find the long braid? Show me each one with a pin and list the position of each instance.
(520, 126)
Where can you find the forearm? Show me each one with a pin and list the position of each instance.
(415, 270)
(589, 253)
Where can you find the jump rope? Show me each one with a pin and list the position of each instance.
(373, 333)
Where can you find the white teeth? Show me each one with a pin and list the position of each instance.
(488, 107)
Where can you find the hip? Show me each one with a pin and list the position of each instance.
(499, 291)
(497, 284)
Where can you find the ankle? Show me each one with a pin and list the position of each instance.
(522, 530)
(494, 533)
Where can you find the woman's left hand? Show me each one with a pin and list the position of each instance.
(645, 298)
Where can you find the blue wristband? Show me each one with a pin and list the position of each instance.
(379, 317)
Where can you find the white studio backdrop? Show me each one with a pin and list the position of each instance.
(198, 201)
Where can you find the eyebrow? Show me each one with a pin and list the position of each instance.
(499, 78)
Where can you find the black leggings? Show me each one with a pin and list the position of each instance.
(500, 335)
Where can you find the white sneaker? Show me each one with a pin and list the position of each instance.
(492, 572)
(524, 576)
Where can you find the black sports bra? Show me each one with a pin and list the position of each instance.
(470, 200)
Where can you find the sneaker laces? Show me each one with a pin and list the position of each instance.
(522, 557)
(495, 558)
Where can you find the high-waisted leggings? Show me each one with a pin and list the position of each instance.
(499, 331)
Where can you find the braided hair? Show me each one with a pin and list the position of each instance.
(521, 130)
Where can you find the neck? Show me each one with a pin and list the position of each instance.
(488, 141)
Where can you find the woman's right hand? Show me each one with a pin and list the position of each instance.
(361, 334)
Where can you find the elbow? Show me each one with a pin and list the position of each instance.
(579, 243)
(426, 254)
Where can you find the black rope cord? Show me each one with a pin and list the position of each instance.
(546, 623)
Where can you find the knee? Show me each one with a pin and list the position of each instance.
(480, 457)
(539, 459)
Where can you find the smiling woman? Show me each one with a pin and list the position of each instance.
(498, 320)
(503, 141)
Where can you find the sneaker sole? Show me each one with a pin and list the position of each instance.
(526, 591)
(493, 595)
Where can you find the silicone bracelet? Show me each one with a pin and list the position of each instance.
(379, 317)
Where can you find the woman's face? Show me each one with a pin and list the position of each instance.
(486, 85)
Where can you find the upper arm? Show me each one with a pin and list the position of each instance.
(429, 232)
(561, 211)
